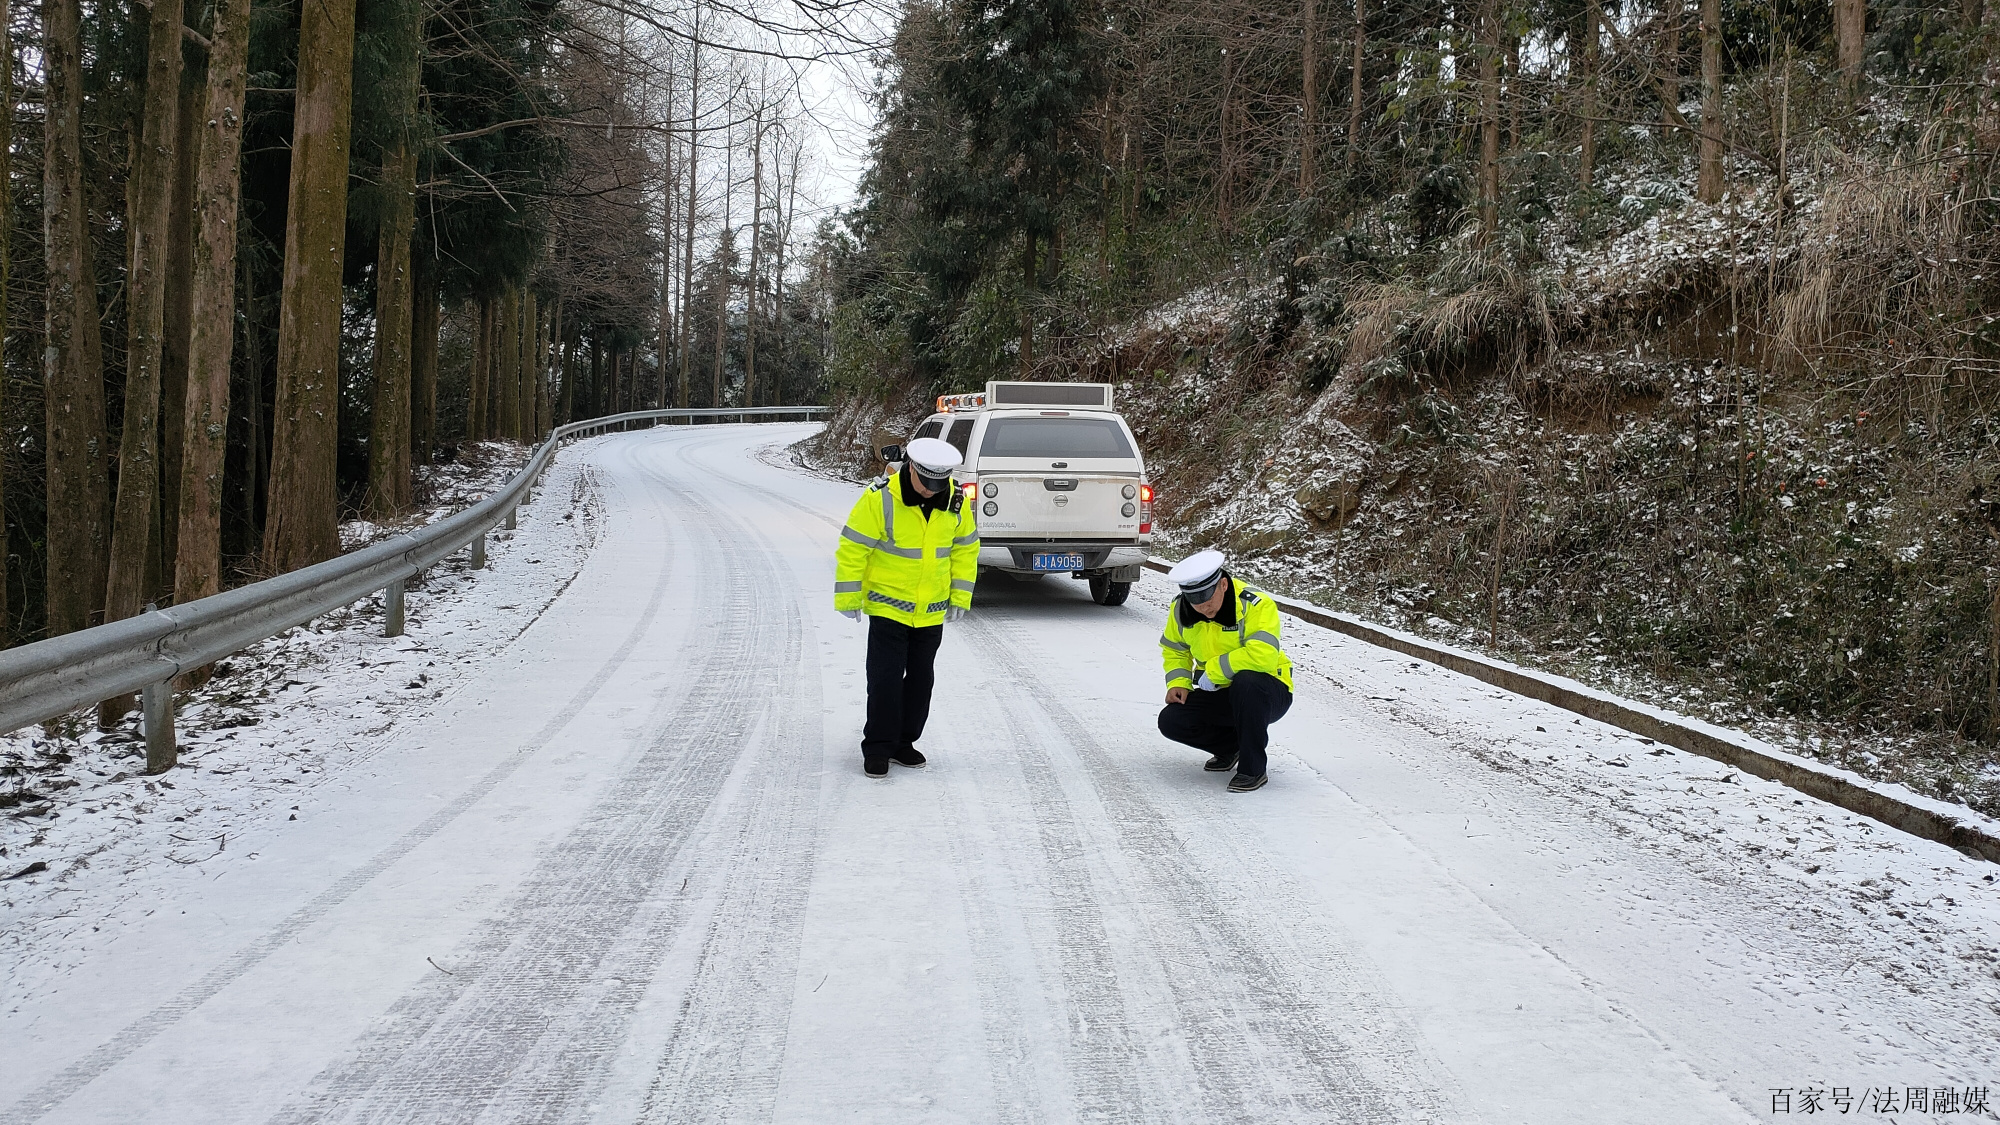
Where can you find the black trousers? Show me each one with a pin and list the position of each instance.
(1232, 720)
(900, 677)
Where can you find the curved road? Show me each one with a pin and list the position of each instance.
(637, 875)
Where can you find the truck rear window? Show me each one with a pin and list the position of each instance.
(1054, 437)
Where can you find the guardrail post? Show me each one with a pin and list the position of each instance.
(479, 552)
(510, 519)
(392, 611)
(157, 712)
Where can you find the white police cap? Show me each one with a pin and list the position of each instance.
(937, 457)
(1196, 573)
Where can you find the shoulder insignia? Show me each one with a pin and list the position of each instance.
(1250, 597)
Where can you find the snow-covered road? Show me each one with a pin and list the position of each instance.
(633, 872)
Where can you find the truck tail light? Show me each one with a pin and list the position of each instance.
(971, 492)
(1145, 509)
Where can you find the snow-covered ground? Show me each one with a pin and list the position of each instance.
(275, 723)
(624, 867)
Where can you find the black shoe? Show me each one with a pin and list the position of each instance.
(908, 756)
(1244, 783)
(874, 769)
(1220, 763)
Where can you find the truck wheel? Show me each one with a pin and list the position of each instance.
(1104, 591)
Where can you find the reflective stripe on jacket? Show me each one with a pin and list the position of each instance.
(892, 562)
(1251, 645)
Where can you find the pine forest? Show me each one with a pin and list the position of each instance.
(264, 260)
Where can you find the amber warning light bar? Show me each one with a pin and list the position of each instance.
(949, 403)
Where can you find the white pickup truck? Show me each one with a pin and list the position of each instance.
(1057, 479)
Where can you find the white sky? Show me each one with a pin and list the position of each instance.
(838, 100)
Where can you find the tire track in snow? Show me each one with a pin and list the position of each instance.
(726, 1051)
(1266, 1048)
(1102, 995)
(136, 1035)
(545, 992)
(1009, 982)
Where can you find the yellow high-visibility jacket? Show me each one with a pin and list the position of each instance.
(1251, 645)
(893, 562)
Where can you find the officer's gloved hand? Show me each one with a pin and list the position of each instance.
(1206, 684)
(853, 615)
(954, 613)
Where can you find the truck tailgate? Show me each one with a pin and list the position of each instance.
(1058, 506)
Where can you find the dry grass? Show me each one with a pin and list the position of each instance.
(1478, 306)
(1886, 277)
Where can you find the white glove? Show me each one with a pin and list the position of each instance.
(1206, 684)
(954, 613)
(853, 615)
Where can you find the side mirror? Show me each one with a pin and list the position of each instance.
(892, 453)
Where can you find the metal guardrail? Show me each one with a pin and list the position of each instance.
(1953, 826)
(52, 677)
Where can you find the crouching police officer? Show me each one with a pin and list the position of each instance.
(1227, 678)
(907, 560)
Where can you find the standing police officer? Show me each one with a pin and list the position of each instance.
(1227, 678)
(907, 559)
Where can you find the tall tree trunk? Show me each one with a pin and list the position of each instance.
(482, 369)
(1708, 182)
(6, 264)
(778, 277)
(507, 364)
(1225, 167)
(302, 520)
(1489, 120)
(149, 203)
(389, 437)
(1107, 178)
(669, 240)
(212, 319)
(686, 368)
(1671, 121)
(177, 323)
(529, 327)
(78, 473)
(594, 399)
(756, 241)
(1356, 91)
(721, 319)
(423, 357)
(1850, 29)
(1135, 173)
(566, 404)
(1028, 275)
(1586, 170)
(389, 484)
(258, 490)
(544, 420)
(1309, 99)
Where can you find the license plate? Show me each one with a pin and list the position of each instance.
(1058, 562)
